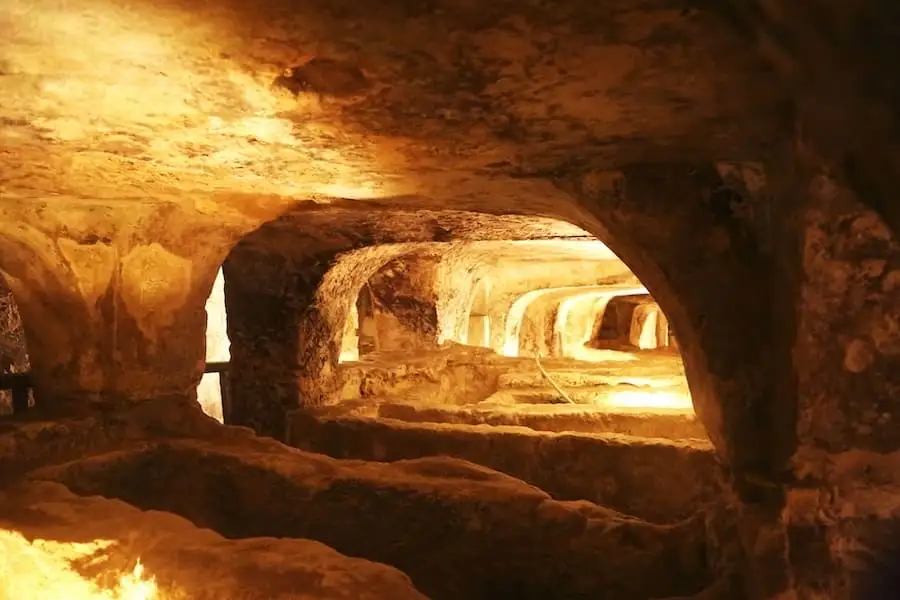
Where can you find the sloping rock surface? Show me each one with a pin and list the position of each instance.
(458, 530)
(186, 561)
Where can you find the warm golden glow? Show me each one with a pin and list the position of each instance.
(650, 399)
(586, 250)
(520, 306)
(573, 343)
(599, 355)
(149, 95)
(44, 570)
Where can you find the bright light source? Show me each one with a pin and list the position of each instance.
(517, 311)
(666, 399)
(43, 570)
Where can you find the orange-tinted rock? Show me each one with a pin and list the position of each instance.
(185, 560)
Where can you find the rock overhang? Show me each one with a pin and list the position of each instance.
(124, 99)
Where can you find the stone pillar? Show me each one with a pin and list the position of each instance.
(405, 295)
(287, 311)
(709, 260)
(533, 331)
(272, 323)
(479, 333)
(843, 504)
(642, 332)
(479, 324)
(662, 329)
(582, 319)
(350, 339)
(110, 320)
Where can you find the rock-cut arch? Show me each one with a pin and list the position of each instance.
(478, 332)
(517, 312)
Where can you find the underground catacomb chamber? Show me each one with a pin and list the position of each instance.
(516, 399)
(353, 230)
(416, 378)
(546, 359)
(539, 354)
(551, 335)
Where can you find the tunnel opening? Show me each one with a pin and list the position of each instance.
(633, 322)
(213, 385)
(543, 331)
(495, 352)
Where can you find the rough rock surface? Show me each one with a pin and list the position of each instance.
(130, 168)
(455, 95)
(638, 422)
(654, 479)
(458, 530)
(307, 270)
(405, 303)
(188, 562)
(455, 375)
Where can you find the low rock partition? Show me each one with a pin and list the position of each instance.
(458, 530)
(659, 480)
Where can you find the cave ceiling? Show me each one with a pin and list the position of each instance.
(329, 230)
(462, 102)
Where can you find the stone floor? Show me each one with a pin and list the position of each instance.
(436, 510)
(630, 441)
(640, 393)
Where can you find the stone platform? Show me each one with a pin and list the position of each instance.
(655, 479)
(457, 529)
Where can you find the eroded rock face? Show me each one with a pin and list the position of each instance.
(184, 560)
(437, 99)
(405, 296)
(848, 391)
(654, 479)
(458, 530)
(673, 246)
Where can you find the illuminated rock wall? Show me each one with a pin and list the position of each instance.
(405, 297)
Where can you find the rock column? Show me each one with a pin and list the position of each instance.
(111, 319)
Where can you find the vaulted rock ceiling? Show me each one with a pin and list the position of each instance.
(122, 99)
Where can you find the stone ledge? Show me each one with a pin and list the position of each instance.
(658, 423)
(654, 479)
(459, 530)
